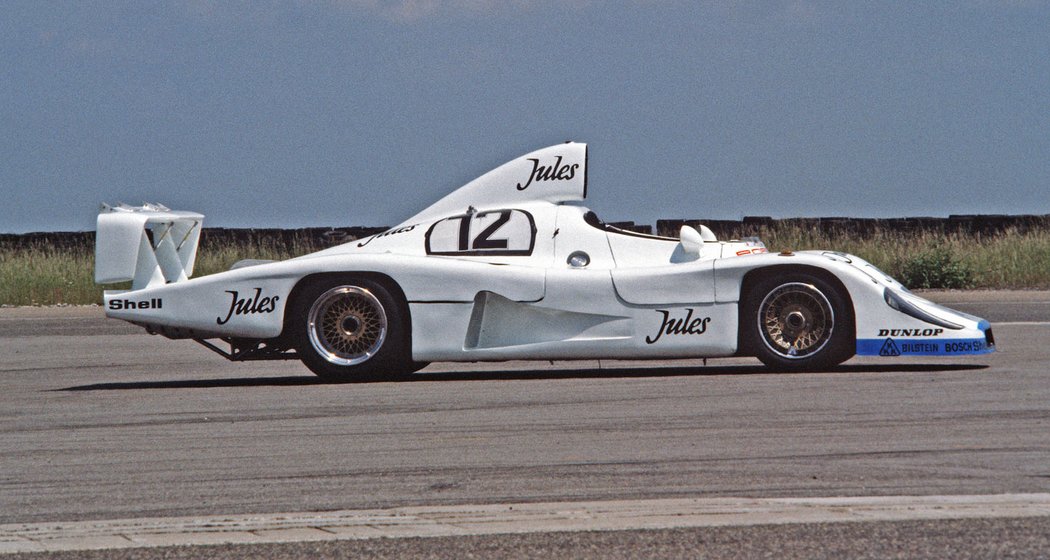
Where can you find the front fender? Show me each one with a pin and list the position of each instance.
(889, 320)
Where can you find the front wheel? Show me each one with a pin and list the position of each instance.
(350, 329)
(797, 322)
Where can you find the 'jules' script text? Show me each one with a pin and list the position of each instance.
(556, 172)
(680, 326)
(249, 305)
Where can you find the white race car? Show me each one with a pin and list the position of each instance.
(512, 266)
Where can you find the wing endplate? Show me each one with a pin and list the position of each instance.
(147, 244)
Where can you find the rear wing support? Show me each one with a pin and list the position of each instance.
(148, 244)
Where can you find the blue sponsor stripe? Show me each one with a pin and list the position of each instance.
(921, 347)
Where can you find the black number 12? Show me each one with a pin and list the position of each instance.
(484, 239)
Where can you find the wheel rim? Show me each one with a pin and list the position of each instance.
(347, 325)
(796, 320)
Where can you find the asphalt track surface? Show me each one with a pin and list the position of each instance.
(99, 421)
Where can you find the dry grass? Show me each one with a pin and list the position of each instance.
(44, 275)
(1011, 260)
(219, 257)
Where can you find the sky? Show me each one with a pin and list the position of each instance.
(363, 112)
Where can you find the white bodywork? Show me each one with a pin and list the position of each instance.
(496, 271)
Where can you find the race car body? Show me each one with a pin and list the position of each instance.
(513, 266)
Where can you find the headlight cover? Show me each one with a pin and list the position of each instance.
(895, 301)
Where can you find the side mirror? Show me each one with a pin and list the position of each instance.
(693, 240)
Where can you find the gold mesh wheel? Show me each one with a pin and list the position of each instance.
(347, 325)
(795, 320)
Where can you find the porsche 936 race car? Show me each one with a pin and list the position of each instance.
(512, 266)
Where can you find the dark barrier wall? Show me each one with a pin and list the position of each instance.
(866, 227)
(209, 236)
(725, 229)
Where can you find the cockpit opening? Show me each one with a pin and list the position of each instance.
(593, 220)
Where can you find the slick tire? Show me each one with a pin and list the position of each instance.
(351, 329)
(798, 322)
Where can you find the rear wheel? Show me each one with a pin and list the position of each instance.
(351, 329)
(798, 321)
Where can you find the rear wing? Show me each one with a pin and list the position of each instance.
(147, 244)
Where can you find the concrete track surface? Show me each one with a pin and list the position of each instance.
(101, 422)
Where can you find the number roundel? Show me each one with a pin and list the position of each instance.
(487, 233)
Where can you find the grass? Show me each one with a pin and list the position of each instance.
(1010, 260)
(45, 275)
(40, 274)
(217, 257)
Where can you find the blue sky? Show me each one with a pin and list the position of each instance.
(363, 112)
